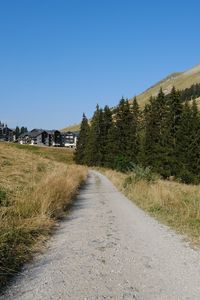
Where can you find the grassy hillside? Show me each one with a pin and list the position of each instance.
(180, 80)
(75, 127)
(34, 192)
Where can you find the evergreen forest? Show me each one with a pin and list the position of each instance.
(164, 136)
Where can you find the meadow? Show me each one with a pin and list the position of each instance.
(37, 187)
(173, 203)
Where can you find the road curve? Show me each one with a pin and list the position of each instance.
(107, 248)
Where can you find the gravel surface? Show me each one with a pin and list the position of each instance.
(107, 248)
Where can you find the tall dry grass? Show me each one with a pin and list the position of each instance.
(173, 203)
(34, 193)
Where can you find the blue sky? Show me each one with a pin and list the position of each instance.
(59, 58)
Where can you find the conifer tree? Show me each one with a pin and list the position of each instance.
(175, 108)
(95, 144)
(194, 148)
(81, 149)
(22, 130)
(123, 123)
(111, 147)
(107, 124)
(134, 141)
(17, 132)
(150, 132)
(184, 139)
(157, 150)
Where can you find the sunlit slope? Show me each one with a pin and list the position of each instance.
(179, 80)
(75, 127)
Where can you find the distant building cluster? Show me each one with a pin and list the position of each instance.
(40, 137)
(6, 134)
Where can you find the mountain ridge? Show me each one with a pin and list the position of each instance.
(181, 81)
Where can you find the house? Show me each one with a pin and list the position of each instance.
(54, 138)
(41, 137)
(69, 139)
(24, 138)
(6, 134)
(35, 137)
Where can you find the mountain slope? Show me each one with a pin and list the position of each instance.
(179, 80)
(74, 127)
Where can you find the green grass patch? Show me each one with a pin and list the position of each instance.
(57, 154)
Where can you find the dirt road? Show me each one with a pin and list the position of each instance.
(107, 248)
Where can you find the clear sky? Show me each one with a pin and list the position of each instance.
(59, 58)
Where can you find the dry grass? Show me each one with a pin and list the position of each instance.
(175, 204)
(34, 193)
(180, 80)
(64, 155)
(75, 127)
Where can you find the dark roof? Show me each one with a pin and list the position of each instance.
(24, 134)
(33, 133)
(52, 131)
(36, 132)
(74, 133)
(5, 127)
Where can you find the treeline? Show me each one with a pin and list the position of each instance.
(19, 131)
(165, 136)
(190, 93)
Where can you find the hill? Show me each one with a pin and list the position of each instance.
(75, 127)
(180, 80)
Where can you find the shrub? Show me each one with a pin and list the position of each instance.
(139, 173)
(122, 164)
(187, 177)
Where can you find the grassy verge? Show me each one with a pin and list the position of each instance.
(57, 154)
(34, 193)
(175, 204)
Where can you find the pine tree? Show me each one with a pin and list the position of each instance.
(107, 124)
(96, 145)
(184, 139)
(150, 132)
(134, 140)
(111, 147)
(81, 149)
(194, 147)
(175, 108)
(156, 149)
(118, 138)
(17, 132)
(22, 130)
(123, 123)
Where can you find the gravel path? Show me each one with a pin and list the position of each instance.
(107, 248)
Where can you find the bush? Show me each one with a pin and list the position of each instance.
(187, 177)
(122, 164)
(139, 173)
